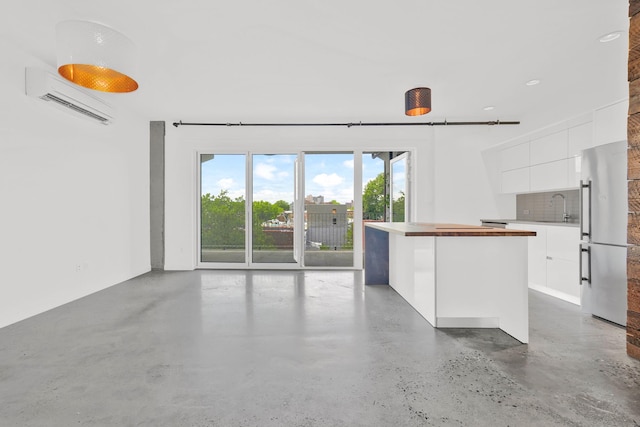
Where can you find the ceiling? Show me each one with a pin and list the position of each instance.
(296, 60)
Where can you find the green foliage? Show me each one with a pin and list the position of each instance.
(398, 209)
(222, 221)
(348, 244)
(263, 211)
(284, 206)
(374, 201)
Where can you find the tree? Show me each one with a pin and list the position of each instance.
(222, 221)
(374, 202)
(263, 211)
(398, 208)
(284, 206)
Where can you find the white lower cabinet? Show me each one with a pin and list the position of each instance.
(537, 255)
(562, 279)
(553, 260)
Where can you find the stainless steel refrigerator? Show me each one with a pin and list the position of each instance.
(603, 227)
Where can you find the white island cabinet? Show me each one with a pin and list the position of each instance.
(455, 276)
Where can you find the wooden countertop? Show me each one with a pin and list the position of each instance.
(442, 230)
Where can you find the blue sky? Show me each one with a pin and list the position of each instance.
(329, 175)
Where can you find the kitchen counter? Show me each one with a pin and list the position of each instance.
(454, 275)
(441, 230)
(522, 221)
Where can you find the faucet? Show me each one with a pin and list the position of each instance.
(565, 214)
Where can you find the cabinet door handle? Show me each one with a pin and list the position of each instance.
(549, 257)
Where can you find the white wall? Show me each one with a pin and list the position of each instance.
(183, 143)
(450, 179)
(74, 197)
(464, 187)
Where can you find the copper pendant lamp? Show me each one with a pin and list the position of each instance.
(95, 56)
(417, 101)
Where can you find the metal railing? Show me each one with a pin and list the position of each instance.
(323, 231)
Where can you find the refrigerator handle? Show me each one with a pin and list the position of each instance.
(582, 187)
(588, 251)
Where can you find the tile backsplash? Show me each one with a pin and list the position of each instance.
(545, 207)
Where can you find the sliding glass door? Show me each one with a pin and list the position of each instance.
(222, 208)
(400, 188)
(285, 210)
(328, 209)
(272, 209)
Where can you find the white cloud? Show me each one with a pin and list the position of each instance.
(346, 194)
(326, 181)
(283, 174)
(273, 196)
(234, 194)
(348, 164)
(265, 171)
(226, 183)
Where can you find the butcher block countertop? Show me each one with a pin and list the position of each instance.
(442, 230)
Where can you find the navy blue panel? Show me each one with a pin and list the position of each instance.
(376, 257)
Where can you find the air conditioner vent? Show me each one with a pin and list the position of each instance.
(50, 97)
(67, 96)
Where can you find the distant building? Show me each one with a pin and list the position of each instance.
(314, 200)
(327, 225)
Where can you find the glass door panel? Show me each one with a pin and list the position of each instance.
(222, 208)
(399, 189)
(328, 209)
(273, 208)
(375, 186)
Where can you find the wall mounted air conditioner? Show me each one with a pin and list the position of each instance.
(66, 96)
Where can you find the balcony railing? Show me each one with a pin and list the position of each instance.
(323, 231)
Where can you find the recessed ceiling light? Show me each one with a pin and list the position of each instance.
(533, 82)
(610, 37)
(488, 108)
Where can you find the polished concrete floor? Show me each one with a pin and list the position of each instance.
(295, 348)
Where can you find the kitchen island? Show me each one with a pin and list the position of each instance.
(455, 276)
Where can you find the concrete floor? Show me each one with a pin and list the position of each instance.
(314, 348)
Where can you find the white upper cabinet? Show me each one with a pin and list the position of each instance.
(549, 176)
(610, 123)
(580, 138)
(552, 162)
(574, 165)
(549, 148)
(514, 157)
(515, 181)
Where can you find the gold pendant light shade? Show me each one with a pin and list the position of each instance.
(417, 101)
(95, 56)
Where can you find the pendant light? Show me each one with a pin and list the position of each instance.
(95, 56)
(417, 101)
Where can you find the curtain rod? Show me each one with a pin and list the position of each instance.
(445, 123)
